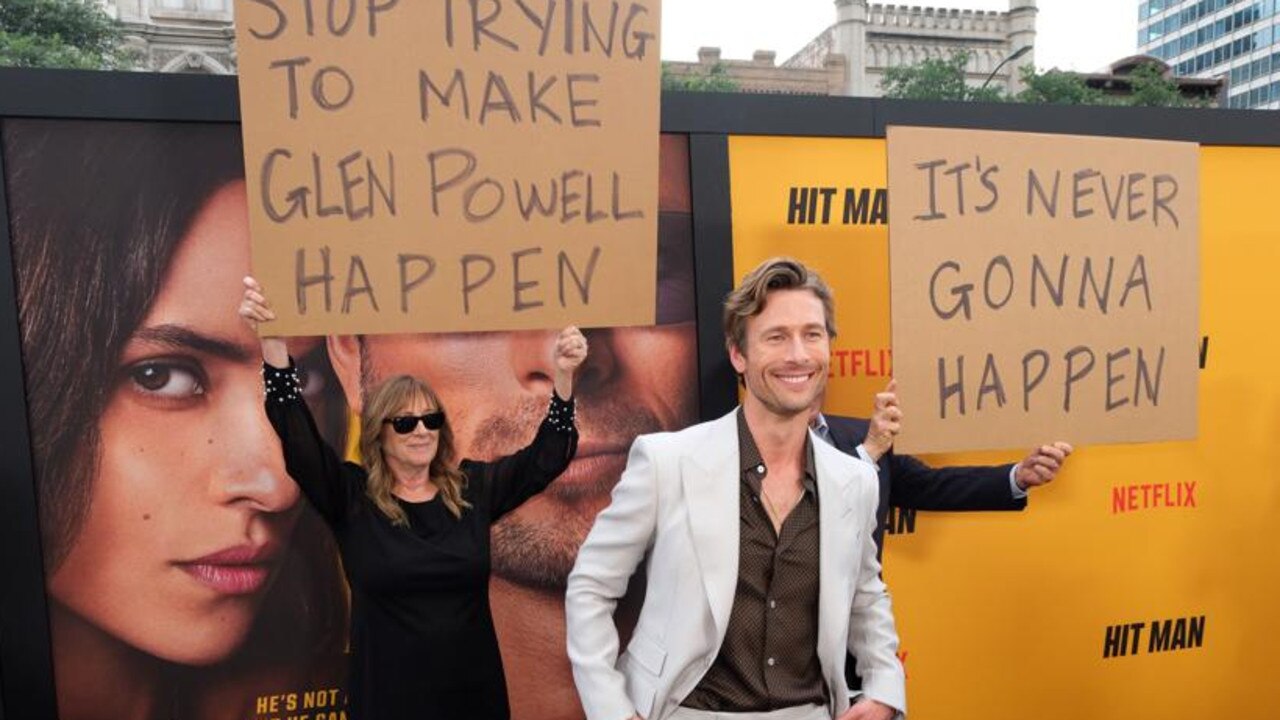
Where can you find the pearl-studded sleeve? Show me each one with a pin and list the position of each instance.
(327, 482)
(504, 484)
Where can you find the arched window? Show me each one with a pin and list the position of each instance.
(195, 62)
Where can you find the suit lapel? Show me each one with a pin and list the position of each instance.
(710, 475)
(836, 533)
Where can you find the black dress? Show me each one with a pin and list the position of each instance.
(422, 637)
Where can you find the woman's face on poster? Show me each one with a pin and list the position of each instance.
(190, 507)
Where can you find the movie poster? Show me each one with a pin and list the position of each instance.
(186, 575)
(1142, 570)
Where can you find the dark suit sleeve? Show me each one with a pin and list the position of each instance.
(915, 485)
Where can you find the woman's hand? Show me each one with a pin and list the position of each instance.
(570, 353)
(255, 309)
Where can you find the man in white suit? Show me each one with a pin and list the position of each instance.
(757, 544)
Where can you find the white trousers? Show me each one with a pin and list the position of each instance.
(799, 712)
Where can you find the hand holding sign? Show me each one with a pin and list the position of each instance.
(571, 349)
(885, 423)
(570, 353)
(1041, 466)
(255, 309)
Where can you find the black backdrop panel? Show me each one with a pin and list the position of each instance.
(25, 665)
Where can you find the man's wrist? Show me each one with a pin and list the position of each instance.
(1016, 487)
(866, 453)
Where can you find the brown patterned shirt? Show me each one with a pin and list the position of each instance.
(769, 658)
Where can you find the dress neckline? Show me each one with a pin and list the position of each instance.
(403, 501)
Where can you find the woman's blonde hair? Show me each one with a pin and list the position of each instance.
(383, 403)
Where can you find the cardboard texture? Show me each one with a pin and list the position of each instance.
(451, 165)
(1043, 287)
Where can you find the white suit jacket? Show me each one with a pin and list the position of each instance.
(676, 509)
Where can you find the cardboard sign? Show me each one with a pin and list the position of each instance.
(1043, 287)
(451, 165)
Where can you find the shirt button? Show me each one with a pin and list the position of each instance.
(773, 604)
(771, 662)
(760, 469)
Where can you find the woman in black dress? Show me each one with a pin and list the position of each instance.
(413, 530)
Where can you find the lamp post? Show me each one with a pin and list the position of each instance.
(1012, 56)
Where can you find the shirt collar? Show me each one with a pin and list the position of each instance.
(752, 465)
(820, 427)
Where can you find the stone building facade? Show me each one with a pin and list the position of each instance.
(847, 58)
(851, 56)
(179, 35)
(761, 74)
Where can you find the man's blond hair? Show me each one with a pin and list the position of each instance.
(749, 298)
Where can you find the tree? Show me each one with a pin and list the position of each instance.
(1150, 88)
(61, 34)
(1056, 87)
(715, 80)
(934, 79)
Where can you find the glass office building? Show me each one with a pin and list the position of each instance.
(1234, 39)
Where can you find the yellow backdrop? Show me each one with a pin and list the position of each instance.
(1007, 615)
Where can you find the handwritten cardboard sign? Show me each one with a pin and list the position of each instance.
(1043, 287)
(451, 165)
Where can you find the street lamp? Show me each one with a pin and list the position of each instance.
(1014, 56)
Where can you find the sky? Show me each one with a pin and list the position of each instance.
(1082, 35)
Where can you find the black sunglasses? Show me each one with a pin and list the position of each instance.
(405, 424)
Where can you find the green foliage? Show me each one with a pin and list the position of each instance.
(1152, 89)
(60, 34)
(1056, 87)
(934, 79)
(945, 80)
(715, 80)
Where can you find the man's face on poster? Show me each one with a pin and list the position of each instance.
(495, 388)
